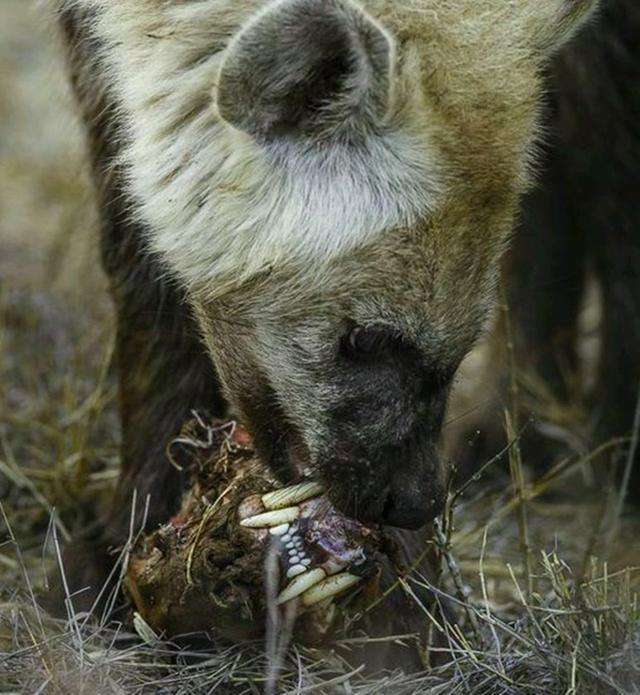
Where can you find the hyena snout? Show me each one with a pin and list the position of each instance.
(383, 427)
(397, 485)
(415, 497)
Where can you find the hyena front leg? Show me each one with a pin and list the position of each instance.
(613, 224)
(162, 367)
(164, 374)
(597, 91)
(545, 285)
(545, 280)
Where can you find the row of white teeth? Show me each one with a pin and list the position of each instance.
(280, 505)
(311, 585)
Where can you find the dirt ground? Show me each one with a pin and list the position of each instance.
(542, 567)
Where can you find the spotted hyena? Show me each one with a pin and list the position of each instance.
(320, 192)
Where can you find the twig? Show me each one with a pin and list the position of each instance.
(11, 469)
(68, 601)
(338, 680)
(517, 477)
(205, 517)
(631, 461)
(485, 596)
(23, 568)
(444, 545)
(123, 560)
(540, 487)
(476, 476)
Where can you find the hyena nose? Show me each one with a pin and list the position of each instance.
(416, 493)
(406, 510)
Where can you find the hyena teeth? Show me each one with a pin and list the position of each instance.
(332, 567)
(279, 530)
(275, 518)
(291, 495)
(330, 587)
(295, 571)
(300, 584)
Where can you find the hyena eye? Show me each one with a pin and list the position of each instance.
(368, 342)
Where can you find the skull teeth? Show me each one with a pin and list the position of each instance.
(279, 530)
(300, 584)
(289, 496)
(272, 519)
(328, 588)
(296, 570)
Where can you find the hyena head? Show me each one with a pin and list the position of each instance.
(334, 183)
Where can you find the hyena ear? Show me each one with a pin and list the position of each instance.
(559, 20)
(307, 67)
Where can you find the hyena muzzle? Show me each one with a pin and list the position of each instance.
(319, 191)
